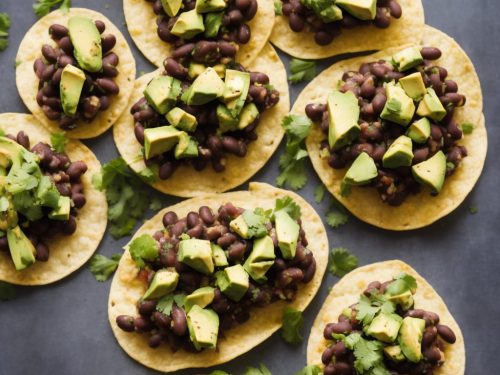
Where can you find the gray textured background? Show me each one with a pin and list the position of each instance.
(63, 328)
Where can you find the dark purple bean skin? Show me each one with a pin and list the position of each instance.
(179, 323)
(57, 31)
(42, 252)
(125, 322)
(446, 333)
(430, 53)
(169, 218)
(76, 170)
(206, 215)
(155, 340)
(146, 308)
(142, 324)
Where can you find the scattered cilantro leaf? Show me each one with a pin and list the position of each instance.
(143, 248)
(288, 205)
(165, 304)
(341, 262)
(302, 70)
(262, 370)
(319, 193)
(7, 291)
(4, 30)
(149, 174)
(368, 307)
(467, 127)
(103, 267)
(407, 282)
(184, 236)
(473, 210)
(310, 370)
(58, 141)
(219, 372)
(369, 356)
(335, 218)
(17, 63)
(293, 321)
(43, 7)
(278, 7)
(256, 223)
(155, 204)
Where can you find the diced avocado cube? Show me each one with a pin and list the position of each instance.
(188, 25)
(21, 249)
(361, 9)
(47, 193)
(385, 327)
(399, 153)
(233, 282)
(186, 148)
(343, 114)
(8, 215)
(287, 232)
(195, 69)
(414, 86)
(206, 87)
(403, 299)
(182, 120)
(220, 69)
(197, 254)
(207, 6)
(399, 107)
(431, 106)
(159, 140)
(201, 297)
(240, 227)
(432, 172)
(237, 84)
(11, 153)
(407, 59)
(248, 115)
(260, 259)
(63, 209)
(164, 282)
(226, 121)
(410, 338)
(86, 40)
(171, 7)
(70, 87)
(203, 327)
(347, 312)
(219, 256)
(162, 93)
(248, 225)
(362, 171)
(213, 23)
(394, 353)
(420, 130)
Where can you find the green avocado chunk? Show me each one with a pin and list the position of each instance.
(237, 84)
(385, 327)
(203, 327)
(70, 87)
(188, 25)
(21, 249)
(47, 193)
(233, 282)
(86, 40)
(206, 87)
(414, 86)
(63, 209)
(159, 140)
(287, 232)
(399, 153)
(260, 259)
(399, 107)
(195, 69)
(362, 171)
(432, 172)
(182, 120)
(248, 225)
(410, 338)
(248, 115)
(8, 216)
(207, 6)
(361, 9)
(11, 153)
(326, 10)
(213, 23)
(420, 130)
(218, 256)
(431, 106)
(201, 297)
(394, 353)
(162, 93)
(171, 7)
(226, 121)
(197, 254)
(164, 282)
(186, 148)
(407, 59)
(343, 114)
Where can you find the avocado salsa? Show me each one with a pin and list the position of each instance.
(384, 334)
(76, 76)
(392, 123)
(40, 195)
(207, 270)
(327, 18)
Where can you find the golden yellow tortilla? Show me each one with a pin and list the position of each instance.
(141, 24)
(67, 253)
(347, 291)
(407, 29)
(186, 181)
(126, 289)
(27, 81)
(422, 209)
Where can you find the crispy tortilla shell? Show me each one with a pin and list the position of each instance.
(27, 81)
(67, 253)
(347, 291)
(407, 29)
(126, 289)
(186, 181)
(421, 209)
(141, 24)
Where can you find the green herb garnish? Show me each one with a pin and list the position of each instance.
(293, 321)
(467, 127)
(319, 193)
(103, 267)
(143, 248)
(278, 7)
(43, 7)
(302, 70)
(341, 262)
(310, 370)
(4, 31)
(262, 370)
(58, 141)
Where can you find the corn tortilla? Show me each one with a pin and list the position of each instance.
(67, 253)
(141, 24)
(347, 291)
(407, 29)
(421, 209)
(186, 181)
(27, 81)
(126, 289)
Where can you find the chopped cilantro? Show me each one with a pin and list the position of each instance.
(42, 7)
(103, 267)
(288, 205)
(368, 353)
(336, 218)
(7, 291)
(262, 370)
(278, 7)
(368, 307)
(256, 223)
(165, 304)
(319, 193)
(143, 248)
(302, 70)
(185, 236)
(149, 174)
(4, 30)
(467, 127)
(402, 283)
(219, 372)
(341, 262)
(293, 321)
(155, 204)
(58, 141)
(310, 370)
(473, 210)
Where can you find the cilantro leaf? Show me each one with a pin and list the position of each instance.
(467, 127)
(4, 28)
(310, 370)
(219, 372)
(58, 141)
(293, 321)
(278, 8)
(335, 218)
(42, 7)
(149, 174)
(302, 70)
(288, 205)
(165, 304)
(341, 262)
(256, 223)
(143, 248)
(402, 283)
(155, 204)
(262, 370)
(319, 193)
(103, 267)
(7, 291)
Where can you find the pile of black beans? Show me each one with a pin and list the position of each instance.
(301, 17)
(234, 22)
(98, 89)
(66, 176)
(283, 278)
(394, 185)
(435, 335)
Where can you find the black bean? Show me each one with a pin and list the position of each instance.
(49, 53)
(78, 200)
(429, 336)
(258, 93)
(192, 219)
(66, 45)
(327, 356)
(109, 71)
(227, 49)
(420, 155)
(111, 59)
(287, 9)
(54, 103)
(108, 42)
(251, 10)
(170, 218)
(323, 38)
(142, 324)
(144, 115)
(454, 130)
(206, 215)
(242, 4)
(430, 53)
(179, 326)
(236, 251)
(42, 252)
(196, 231)
(315, 111)
(309, 273)
(146, 308)
(69, 227)
(178, 228)
(213, 233)
(39, 67)
(50, 113)
(161, 320)
(378, 103)
(67, 122)
(296, 22)
(290, 276)
(139, 132)
(57, 31)
(235, 16)
(4, 245)
(214, 143)
(155, 340)
(91, 106)
(101, 26)
(446, 333)
(382, 19)
(76, 169)
(258, 77)
(329, 370)
(374, 286)
(175, 69)
(450, 86)
(108, 86)
(226, 240)
(164, 32)
(432, 354)
(244, 33)
(205, 51)
(395, 9)
(158, 7)
(48, 72)
(379, 70)
(56, 78)
(23, 139)
(339, 349)
(125, 322)
(341, 327)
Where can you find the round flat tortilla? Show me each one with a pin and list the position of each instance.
(421, 209)
(141, 24)
(27, 81)
(67, 253)
(186, 181)
(350, 287)
(407, 29)
(126, 289)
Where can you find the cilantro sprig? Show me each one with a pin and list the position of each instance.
(278, 7)
(302, 70)
(58, 141)
(341, 262)
(43, 7)
(261, 370)
(4, 31)
(293, 321)
(143, 248)
(310, 370)
(103, 267)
